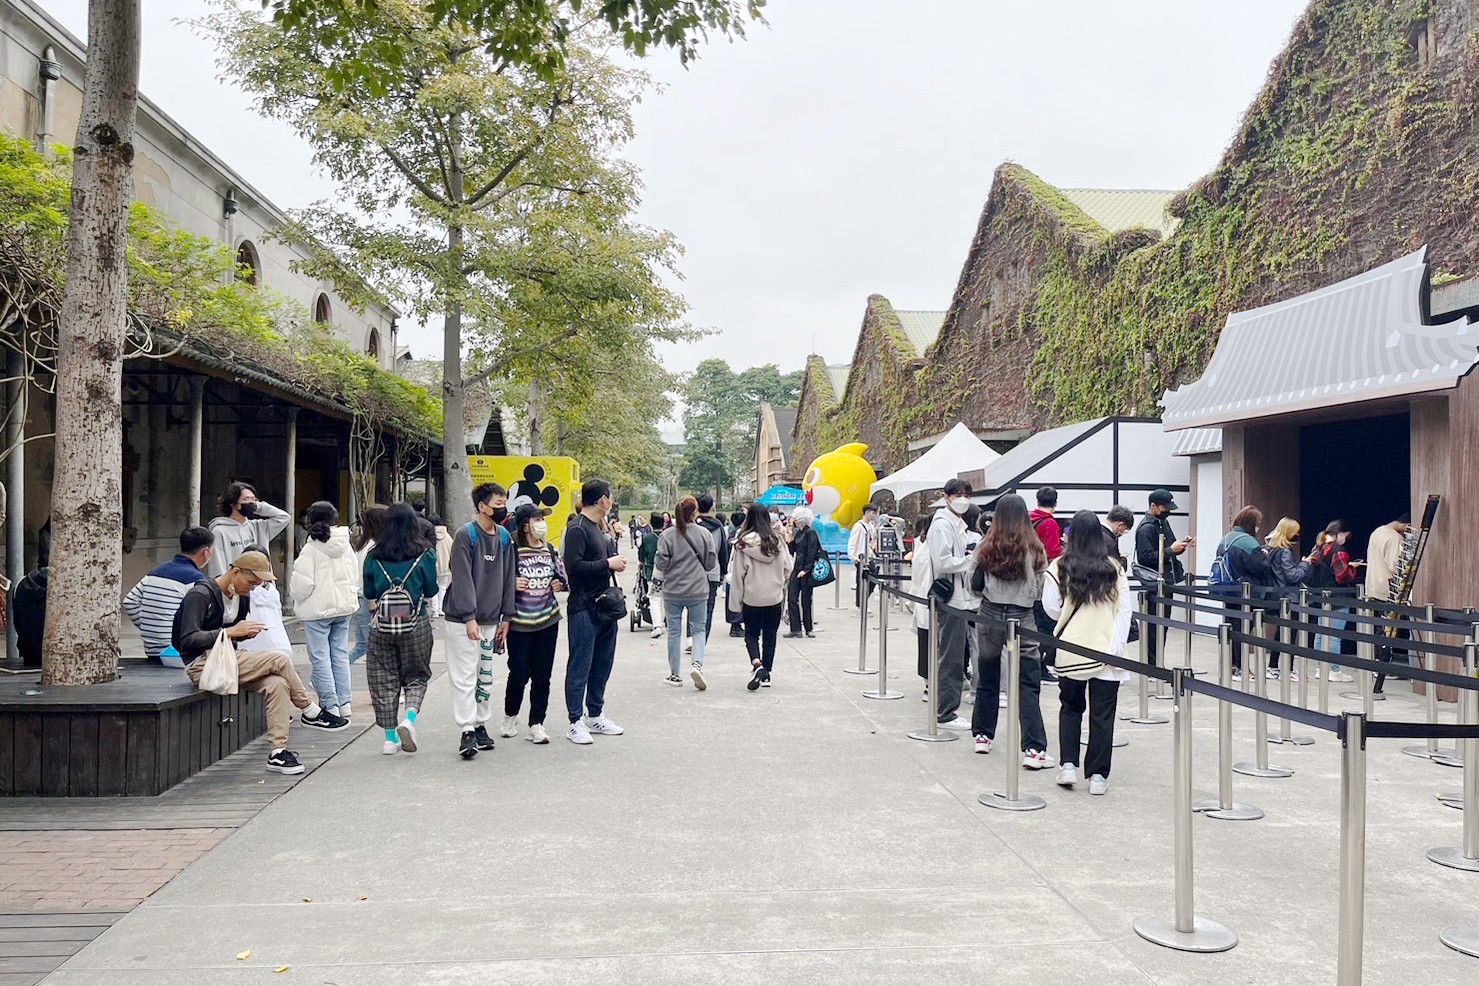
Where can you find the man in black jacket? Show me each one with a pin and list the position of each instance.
(222, 603)
(715, 527)
(590, 558)
(1157, 552)
(806, 548)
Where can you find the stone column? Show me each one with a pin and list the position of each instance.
(197, 438)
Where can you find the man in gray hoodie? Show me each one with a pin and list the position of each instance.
(245, 524)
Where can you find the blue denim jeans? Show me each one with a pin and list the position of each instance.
(327, 642)
(1328, 643)
(698, 617)
(361, 630)
(592, 652)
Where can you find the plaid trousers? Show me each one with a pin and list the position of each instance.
(396, 662)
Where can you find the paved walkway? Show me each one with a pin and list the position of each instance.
(791, 835)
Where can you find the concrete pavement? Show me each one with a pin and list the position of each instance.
(789, 835)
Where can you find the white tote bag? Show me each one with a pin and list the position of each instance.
(219, 673)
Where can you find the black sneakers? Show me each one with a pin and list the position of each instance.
(285, 762)
(481, 738)
(469, 747)
(325, 720)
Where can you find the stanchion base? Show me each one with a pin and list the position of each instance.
(1461, 939)
(1453, 857)
(1206, 936)
(1236, 812)
(1293, 740)
(1375, 696)
(1454, 800)
(860, 670)
(1167, 697)
(1146, 720)
(1437, 756)
(883, 696)
(1253, 770)
(944, 736)
(1119, 743)
(1023, 802)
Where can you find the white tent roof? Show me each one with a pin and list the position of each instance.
(959, 451)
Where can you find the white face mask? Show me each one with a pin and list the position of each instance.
(540, 529)
(960, 504)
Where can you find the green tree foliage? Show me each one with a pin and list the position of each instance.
(719, 420)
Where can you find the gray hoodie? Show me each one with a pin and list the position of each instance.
(685, 565)
(232, 538)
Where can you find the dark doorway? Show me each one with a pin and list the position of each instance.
(1357, 471)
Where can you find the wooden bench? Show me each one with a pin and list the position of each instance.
(137, 736)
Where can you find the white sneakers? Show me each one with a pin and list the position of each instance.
(1098, 784)
(658, 633)
(1038, 760)
(407, 732)
(983, 744)
(1340, 677)
(537, 734)
(697, 674)
(342, 711)
(956, 723)
(1068, 776)
(510, 727)
(603, 726)
(391, 748)
(579, 735)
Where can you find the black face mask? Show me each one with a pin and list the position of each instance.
(248, 510)
(500, 514)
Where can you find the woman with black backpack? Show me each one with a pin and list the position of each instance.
(400, 574)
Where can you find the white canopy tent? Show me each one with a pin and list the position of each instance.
(960, 451)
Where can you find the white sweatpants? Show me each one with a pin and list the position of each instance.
(470, 673)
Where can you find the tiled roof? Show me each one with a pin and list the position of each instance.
(921, 328)
(1198, 441)
(1119, 209)
(837, 376)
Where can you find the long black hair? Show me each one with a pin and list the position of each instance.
(321, 516)
(401, 536)
(1011, 549)
(370, 523)
(227, 501)
(757, 519)
(1087, 572)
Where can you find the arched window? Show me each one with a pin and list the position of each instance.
(322, 313)
(247, 263)
(373, 346)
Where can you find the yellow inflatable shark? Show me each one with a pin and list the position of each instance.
(838, 485)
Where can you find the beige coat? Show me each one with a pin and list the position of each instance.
(755, 578)
(1383, 554)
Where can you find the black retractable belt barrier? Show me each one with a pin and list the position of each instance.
(1414, 672)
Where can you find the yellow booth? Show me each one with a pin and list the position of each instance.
(552, 481)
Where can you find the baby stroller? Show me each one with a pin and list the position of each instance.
(642, 604)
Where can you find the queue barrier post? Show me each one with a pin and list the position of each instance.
(1307, 641)
(1366, 651)
(1144, 718)
(1224, 807)
(1326, 621)
(931, 732)
(1011, 799)
(1187, 932)
(1256, 658)
(1162, 633)
(1466, 856)
(1286, 672)
(1352, 906)
(1430, 750)
(836, 582)
(862, 667)
(881, 692)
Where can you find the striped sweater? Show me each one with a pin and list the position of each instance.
(536, 607)
(151, 604)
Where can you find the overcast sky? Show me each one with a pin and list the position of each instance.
(848, 147)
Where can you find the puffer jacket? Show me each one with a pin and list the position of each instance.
(755, 578)
(1289, 570)
(326, 578)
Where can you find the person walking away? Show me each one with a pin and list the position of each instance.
(1332, 569)
(1240, 558)
(399, 575)
(1383, 559)
(478, 607)
(1088, 595)
(862, 545)
(1151, 562)
(362, 541)
(949, 561)
(535, 628)
(734, 616)
(646, 557)
(590, 564)
(715, 527)
(1048, 531)
(224, 603)
(326, 587)
(1009, 576)
(687, 562)
(759, 576)
(442, 545)
(246, 523)
(153, 602)
(1289, 573)
(806, 550)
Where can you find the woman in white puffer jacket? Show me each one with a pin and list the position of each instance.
(326, 588)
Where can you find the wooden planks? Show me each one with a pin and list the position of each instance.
(33, 944)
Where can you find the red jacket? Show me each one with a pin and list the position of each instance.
(1048, 531)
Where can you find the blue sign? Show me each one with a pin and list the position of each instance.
(782, 496)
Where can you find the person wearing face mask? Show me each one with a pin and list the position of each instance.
(590, 563)
(1331, 568)
(949, 560)
(501, 515)
(535, 628)
(479, 606)
(223, 603)
(248, 524)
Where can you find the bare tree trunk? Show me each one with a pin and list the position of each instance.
(457, 482)
(536, 419)
(82, 606)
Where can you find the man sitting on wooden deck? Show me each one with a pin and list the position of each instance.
(222, 603)
(154, 601)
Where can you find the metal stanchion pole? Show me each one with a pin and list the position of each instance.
(1255, 658)
(1224, 807)
(931, 731)
(862, 667)
(1307, 641)
(1466, 856)
(882, 692)
(1010, 799)
(1327, 619)
(836, 582)
(1286, 671)
(1366, 651)
(1144, 717)
(1430, 750)
(1162, 633)
(1187, 933)
(1352, 908)
(1246, 626)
